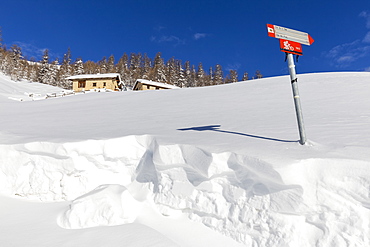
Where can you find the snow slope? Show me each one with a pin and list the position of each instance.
(213, 166)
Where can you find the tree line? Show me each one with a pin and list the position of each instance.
(130, 67)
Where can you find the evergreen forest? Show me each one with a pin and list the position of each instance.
(131, 67)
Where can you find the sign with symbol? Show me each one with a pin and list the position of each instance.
(290, 47)
(290, 43)
(289, 34)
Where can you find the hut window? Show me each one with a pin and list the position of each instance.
(147, 86)
(81, 84)
(94, 84)
(104, 84)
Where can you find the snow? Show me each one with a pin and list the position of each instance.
(212, 166)
(154, 83)
(115, 201)
(94, 76)
(27, 91)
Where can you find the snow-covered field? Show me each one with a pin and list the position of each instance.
(212, 166)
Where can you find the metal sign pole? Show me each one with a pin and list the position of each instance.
(290, 42)
(297, 101)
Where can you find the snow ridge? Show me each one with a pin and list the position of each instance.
(240, 196)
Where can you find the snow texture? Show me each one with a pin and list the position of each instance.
(154, 83)
(94, 76)
(222, 169)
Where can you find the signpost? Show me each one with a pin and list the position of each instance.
(290, 43)
(289, 34)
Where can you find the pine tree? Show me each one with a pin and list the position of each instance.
(135, 67)
(201, 75)
(181, 81)
(193, 77)
(218, 77)
(245, 76)
(53, 73)
(233, 76)
(171, 73)
(227, 79)
(147, 65)
(32, 70)
(23, 66)
(258, 74)
(15, 63)
(78, 67)
(158, 70)
(123, 70)
(187, 74)
(210, 77)
(6, 63)
(66, 64)
(65, 71)
(103, 65)
(44, 68)
(110, 65)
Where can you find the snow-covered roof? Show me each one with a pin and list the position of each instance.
(154, 83)
(94, 76)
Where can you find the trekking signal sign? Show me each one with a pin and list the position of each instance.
(289, 34)
(290, 47)
(291, 43)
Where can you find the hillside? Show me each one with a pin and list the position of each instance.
(211, 166)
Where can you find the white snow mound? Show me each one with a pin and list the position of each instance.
(224, 156)
(55, 172)
(239, 196)
(107, 205)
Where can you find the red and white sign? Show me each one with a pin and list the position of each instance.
(290, 47)
(271, 30)
(289, 34)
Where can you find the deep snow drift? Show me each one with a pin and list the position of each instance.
(214, 166)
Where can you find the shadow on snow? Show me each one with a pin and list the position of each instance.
(217, 128)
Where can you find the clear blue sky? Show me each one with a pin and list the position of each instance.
(231, 32)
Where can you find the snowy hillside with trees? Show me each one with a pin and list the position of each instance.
(130, 67)
(209, 166)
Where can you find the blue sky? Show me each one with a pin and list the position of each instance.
(230, 33)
